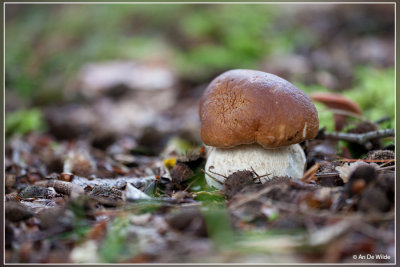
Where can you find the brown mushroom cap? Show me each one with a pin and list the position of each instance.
(336, 101)
(248, 106)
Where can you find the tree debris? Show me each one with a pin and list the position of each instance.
(360, 138)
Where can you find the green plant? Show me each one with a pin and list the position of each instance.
(117, 245)
(24, 121)
(374, 92)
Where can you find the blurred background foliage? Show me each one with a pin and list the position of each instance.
(342, 48)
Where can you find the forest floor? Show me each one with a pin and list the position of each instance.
(87, 202)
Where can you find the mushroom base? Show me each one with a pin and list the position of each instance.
(284, 161)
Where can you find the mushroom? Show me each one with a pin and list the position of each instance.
(255, 120)
(338, 102)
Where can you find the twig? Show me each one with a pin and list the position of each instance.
(367, 160)
(260, 176)
(381, 120)
(386, 168)
(66, 188)
(386, 163)
(259, 179)
(310, 173)
(327, 174)
(360, 138)
(212, 177)
(191, 183)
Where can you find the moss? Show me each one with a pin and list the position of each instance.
(374, 91)
(24, 121)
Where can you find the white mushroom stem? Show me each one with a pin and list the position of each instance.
(284, 161)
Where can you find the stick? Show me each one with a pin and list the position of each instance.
(212, 177)
(66, 188)
(367, 160)
(360, 138)
(258, 176)
(310, 173)
(387, 168)
(191, 183)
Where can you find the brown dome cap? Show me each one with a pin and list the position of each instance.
(336, 101)
(248, 106)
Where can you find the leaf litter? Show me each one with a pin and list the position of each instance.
(126, 224)
(118, 203)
